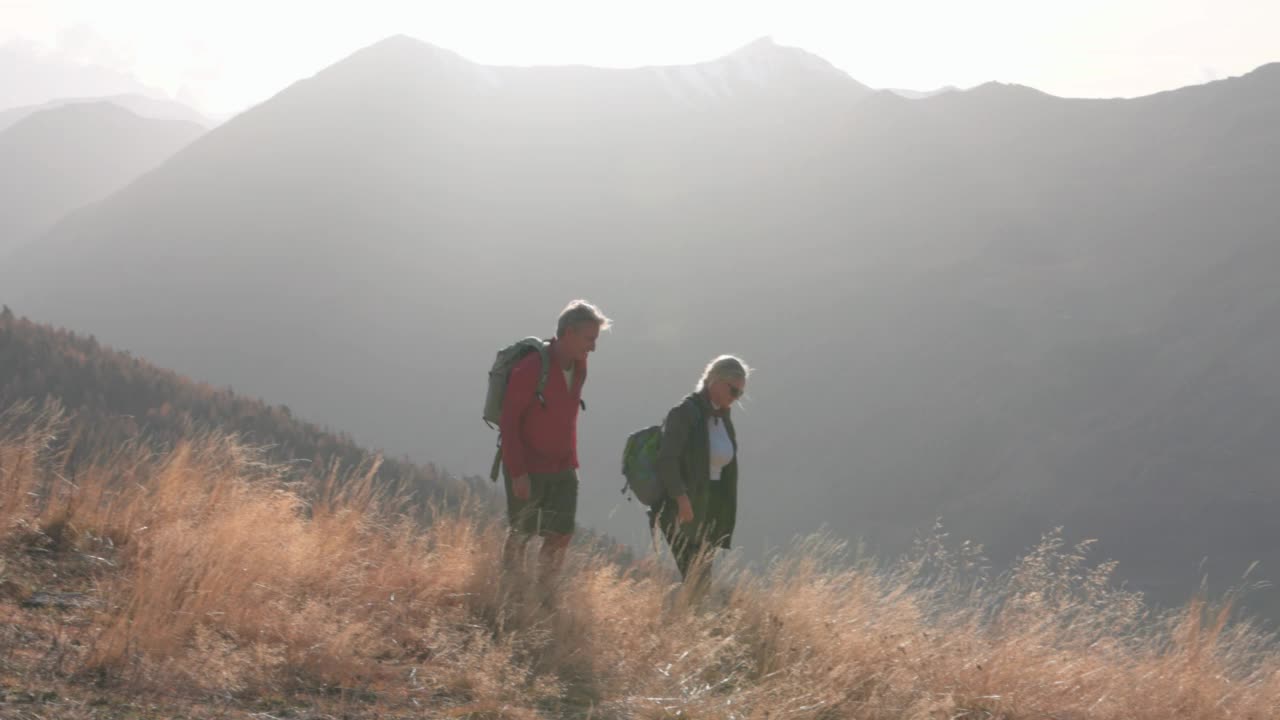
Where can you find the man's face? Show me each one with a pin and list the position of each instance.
(579, 340)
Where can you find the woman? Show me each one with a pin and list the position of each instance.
(698, 468)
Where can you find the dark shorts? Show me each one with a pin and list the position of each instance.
(552, 506)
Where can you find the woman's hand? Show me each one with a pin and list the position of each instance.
(685, 515)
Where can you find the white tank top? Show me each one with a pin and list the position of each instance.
(721, 446)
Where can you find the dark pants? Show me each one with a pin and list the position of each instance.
(552, 505)
(691, 551)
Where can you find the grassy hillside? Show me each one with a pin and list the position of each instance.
(113, 398)
(206, 582)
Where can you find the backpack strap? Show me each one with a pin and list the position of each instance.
(544, 354)
(497, 464)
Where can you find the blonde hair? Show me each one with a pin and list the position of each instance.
(580, 312)
(725, 367)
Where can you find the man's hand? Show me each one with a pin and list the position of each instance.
(520, 486)
(685, 515)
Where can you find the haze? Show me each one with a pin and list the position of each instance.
(223, 57)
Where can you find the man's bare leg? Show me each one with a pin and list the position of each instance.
(513, 550)
(551, 558)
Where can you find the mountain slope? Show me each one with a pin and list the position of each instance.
(115, 398)
(140, 105)
(57, 160)
(960, 306)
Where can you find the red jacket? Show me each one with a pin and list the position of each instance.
(538, 438)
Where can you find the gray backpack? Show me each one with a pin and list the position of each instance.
(498, 376)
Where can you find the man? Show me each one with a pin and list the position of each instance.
(539, 440)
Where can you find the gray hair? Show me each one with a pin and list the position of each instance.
(725, 367)
(581, 312)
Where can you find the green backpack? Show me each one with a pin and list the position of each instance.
(500, 373)
(640, 465)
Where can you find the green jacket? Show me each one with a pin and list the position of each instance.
(684, 468)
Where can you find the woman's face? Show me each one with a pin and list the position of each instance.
(726, 391)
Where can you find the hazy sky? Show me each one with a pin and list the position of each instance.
(226, 54)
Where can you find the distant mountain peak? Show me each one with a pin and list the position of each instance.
(922, 94)
(97, 114)
(401, 60)
(401, 43)
(762, 64)
(995, 89)
(762, 44)
(764, 53)
(405, 49)
(997, 86)
(138, 104)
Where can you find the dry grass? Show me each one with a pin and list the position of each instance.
(229, 578)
